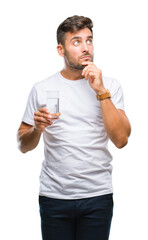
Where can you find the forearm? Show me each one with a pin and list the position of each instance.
(28, 139)
(115, 121)
(116, 124)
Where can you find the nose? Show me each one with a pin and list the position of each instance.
(84, 47)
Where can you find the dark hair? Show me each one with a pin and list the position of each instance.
(73, 24)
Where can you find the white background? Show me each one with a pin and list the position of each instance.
(27, 55)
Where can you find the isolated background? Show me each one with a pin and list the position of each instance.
(27, 55)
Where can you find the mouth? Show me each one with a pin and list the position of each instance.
(86, 58)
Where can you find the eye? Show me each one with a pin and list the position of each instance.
(76, 43)
(89, 41)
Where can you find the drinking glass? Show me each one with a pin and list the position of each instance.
(53, 102)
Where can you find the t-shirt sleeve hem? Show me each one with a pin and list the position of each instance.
(28, 121)
(120, 107)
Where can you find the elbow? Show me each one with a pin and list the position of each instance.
(21, 147)
(22, 150)
(122, 142)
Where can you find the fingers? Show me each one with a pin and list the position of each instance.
(42, 114)
(85, 69)
(43, 118)
(91, 72)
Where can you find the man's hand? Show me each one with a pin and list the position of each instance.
(94, 76)
(43, 119)
(28, 136)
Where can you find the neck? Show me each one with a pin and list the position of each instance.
(71, 73)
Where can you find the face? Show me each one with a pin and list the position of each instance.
(78, 48)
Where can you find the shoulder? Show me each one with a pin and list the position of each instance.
(47, 83)
(38, 92)
(111, 82)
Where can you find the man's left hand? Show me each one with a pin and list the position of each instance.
(94, 76)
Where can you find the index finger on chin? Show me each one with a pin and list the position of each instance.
(86, 63)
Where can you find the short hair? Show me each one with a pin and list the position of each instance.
(73, 24)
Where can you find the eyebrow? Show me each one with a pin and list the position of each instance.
(90, 37)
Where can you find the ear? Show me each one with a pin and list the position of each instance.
(60, 50)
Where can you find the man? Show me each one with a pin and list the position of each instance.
(76, 196)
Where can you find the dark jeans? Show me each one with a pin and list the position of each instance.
(82, 219)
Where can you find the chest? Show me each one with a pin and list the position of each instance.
(78, 105)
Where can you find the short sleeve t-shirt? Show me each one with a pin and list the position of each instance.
(77, 161)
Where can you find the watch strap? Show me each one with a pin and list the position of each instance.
(104, 95)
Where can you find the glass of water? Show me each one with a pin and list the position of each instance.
(53, 102)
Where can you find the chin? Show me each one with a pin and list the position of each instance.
(77, 67)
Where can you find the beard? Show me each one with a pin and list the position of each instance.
(73, 62)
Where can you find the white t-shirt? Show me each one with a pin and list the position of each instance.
(77, 160)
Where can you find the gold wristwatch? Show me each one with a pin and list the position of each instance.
(104, 95)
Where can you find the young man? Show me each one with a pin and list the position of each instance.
(76, 201)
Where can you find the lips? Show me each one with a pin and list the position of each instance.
(86, 57)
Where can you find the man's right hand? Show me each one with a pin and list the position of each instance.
(43, 119)
(28, 136)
